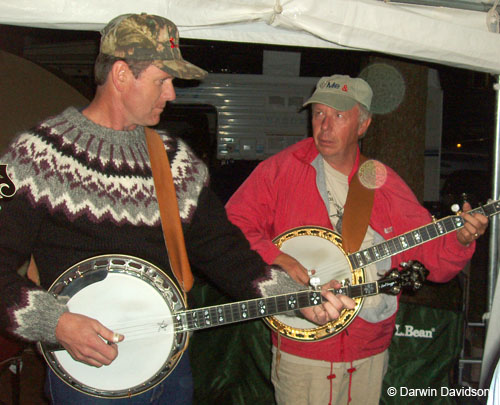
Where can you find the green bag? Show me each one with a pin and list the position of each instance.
(231, 364)
(425, 347)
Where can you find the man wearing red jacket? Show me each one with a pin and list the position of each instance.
(307, 185)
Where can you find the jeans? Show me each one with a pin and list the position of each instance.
(176, 389)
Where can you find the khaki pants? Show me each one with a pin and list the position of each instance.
(301, 381)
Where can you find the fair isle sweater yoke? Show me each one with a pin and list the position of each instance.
(84, 190)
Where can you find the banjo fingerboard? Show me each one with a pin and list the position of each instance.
(245, 310)
(208, 317)
(416, 237)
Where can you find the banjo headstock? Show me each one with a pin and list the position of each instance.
(411, 277)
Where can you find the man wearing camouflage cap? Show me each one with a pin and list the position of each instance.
(85, 189)
(309, 185)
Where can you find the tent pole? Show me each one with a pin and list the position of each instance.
(493, 246)
(491, 346)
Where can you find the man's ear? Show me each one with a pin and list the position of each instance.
(120, 74)
(364, 127)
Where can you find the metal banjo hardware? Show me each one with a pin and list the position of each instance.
(135, 298)
(119, 290)
(318, 249)
(321, 249)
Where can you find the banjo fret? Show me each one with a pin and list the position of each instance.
(252, 309)
(271, 305)
(359, 290)
(235, 312)
(211, 317)
(415, 237)
(220, 316)
(228, 314)
(262, 307)
(120, 281)
(313, 298)
(395, 245)
(243, 310)
(195, 319)
(489, 209)
(155, 320)
(280, 304)
(291, 302)
(301, 241)
(405, 241)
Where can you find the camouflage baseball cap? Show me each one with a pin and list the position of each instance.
(148, 37)
(342, 92)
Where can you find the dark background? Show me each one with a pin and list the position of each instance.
(468, 116)
(469, 98)
(468, 101)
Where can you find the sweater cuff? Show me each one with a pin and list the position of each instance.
(278, 283)
(38, 320)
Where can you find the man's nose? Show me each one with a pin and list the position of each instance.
(327, 122)
(168, 91)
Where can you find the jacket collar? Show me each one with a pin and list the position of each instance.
(306, 152)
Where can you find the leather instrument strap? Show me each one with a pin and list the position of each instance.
(357, 212)
(169, 210)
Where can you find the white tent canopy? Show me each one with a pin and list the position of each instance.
(448, 36)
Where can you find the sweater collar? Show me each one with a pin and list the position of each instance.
(76, 121)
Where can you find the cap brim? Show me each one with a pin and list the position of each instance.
(181, 69)
(337, 101)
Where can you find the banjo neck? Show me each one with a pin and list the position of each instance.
(134, 297)
(416, 237)
(218, 315)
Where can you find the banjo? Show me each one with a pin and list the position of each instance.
(137, 299)
(321, 249)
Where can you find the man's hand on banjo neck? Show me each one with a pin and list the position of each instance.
(330, 309)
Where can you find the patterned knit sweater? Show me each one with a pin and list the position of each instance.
(84, 190)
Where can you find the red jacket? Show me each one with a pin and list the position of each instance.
(282, 193)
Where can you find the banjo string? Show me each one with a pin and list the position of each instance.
(144, 327)
(138, 329)
(331, 270)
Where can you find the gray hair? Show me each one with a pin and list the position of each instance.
(364, 114)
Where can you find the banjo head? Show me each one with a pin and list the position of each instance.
(129, 296)
(319, 249)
